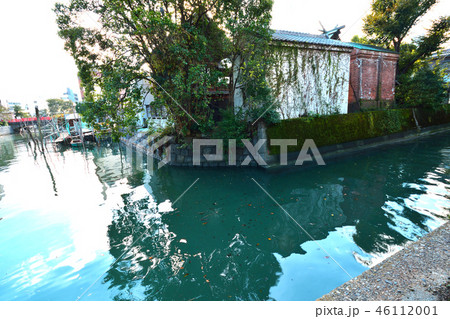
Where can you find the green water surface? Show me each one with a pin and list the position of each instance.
(93, 225)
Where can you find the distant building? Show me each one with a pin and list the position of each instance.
(70, 96)
(372, 77)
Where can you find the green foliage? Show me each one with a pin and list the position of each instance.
(391, 20)
(241, 124)
(176, 46)
(424, 46)
(426, 88)
(57, 106)
(342, 128)
(19, 112)
(388, 24)
(362, 40)
(232, 126)
(248, 22)
(4, 115)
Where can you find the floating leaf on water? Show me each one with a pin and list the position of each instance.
(269, 238)
(150, 258)
(186, 274)
(207, 280)
(183, 241)
(327, 257)
(204, 223)
(257, 244)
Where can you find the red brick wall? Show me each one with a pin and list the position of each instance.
(388, 78)
(372, 79)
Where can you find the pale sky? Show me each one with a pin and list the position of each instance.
(34, 65)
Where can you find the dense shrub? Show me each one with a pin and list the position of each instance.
(341, 128)
(424, 89)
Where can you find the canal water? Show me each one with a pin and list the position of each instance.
(92, 225)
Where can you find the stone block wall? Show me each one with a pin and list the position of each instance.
(182, 155)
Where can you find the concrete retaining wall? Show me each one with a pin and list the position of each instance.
(6, 130)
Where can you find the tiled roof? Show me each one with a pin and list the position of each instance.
(290, 36)
(370, 47)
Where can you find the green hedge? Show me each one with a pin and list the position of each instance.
(341, 128)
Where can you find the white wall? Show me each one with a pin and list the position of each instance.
(310, 79)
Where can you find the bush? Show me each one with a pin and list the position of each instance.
(425, 89)
(232, 126)
(342, 128)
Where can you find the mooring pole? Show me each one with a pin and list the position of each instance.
(39, 127)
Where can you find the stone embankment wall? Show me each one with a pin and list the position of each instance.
(182, 155)
(335, 136)
(6, 130)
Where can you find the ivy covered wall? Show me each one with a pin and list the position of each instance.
(309, 79)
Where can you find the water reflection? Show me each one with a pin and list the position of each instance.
(224, 239)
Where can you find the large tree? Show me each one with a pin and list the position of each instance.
(56, 106)
(390, 22)
(180, 47)
(19, 112)
(4, 114)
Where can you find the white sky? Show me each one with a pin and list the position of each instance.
(34, 65)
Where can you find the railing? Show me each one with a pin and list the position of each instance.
(30, 119)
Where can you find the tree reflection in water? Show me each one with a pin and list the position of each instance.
(221, 241)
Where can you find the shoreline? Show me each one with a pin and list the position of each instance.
(420, 271)
(183, 157)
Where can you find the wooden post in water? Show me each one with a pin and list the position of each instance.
(39, 127)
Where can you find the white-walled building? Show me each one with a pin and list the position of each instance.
(309, 74)
(157, 118)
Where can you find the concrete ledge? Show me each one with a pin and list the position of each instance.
(415, 273)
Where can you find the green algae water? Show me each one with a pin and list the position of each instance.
(90, 225)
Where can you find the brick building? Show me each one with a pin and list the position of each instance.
(372, 77)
